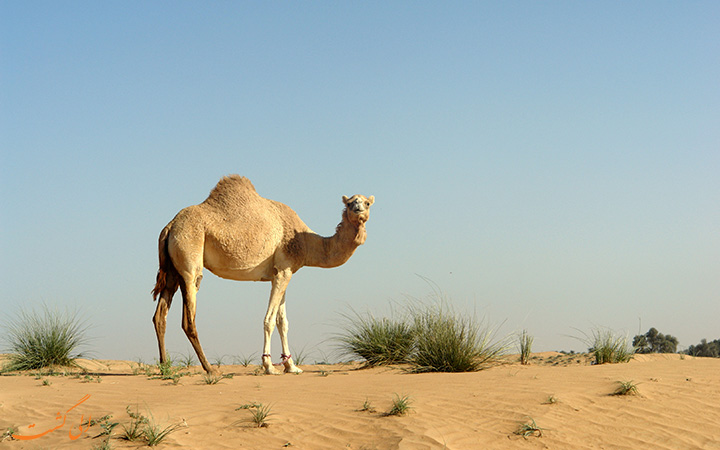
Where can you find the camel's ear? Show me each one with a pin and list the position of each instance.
(345, 199)
(371, 199)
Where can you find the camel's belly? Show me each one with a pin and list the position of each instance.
(232, 269)
(241, 275)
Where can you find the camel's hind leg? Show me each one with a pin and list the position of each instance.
(160, 317)
(189, 289)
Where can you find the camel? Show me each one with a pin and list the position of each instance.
(239, 235)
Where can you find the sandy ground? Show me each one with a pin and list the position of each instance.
(678, 406)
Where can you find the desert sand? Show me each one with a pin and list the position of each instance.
(677, 406)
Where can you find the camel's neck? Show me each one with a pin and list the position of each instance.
(335, 250)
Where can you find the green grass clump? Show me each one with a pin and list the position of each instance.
(525, 343)
(448, 342)
(258, 413)
(400, 406)
(142, 428)
(45, 338)
(430, 337)
(377, 341)
(244, 360)
(154, 433)
(626, 388)
(215, 379)
(187, 360)
(608, 348)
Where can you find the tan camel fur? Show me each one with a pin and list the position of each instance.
(238, 235)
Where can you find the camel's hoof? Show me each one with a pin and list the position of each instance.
(214, 372)
(272, 371)
(293, 369)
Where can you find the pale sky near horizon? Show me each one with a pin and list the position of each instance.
(550, 166)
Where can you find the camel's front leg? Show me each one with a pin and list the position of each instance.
(277, 294)
(283, 326)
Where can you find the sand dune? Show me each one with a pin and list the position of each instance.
(678, 406)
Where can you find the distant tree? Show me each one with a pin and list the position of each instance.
(655, 342)
(705, 348)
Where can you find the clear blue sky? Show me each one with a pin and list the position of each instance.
(549, 165)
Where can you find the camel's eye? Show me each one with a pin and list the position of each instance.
(367, 204)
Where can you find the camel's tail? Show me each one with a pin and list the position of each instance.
(167, 274)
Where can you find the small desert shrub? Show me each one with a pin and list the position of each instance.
(154, 433)
(104, 445)
(626, 388)
(104, 422)
(529, 428)
(248, 406)
(607, 347)
(91, 379)
(166, 368)
(168, 371)
(377, 341)
(367, 406)
(400, 406)
(448, 342)
(525, 343)
(8, 433)
(45, 338)
(135, 429)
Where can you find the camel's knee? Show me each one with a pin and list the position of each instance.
(269, 325)
(189, 328)
(191, 332)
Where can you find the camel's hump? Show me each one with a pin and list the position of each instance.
(232, 190)
(234, 183)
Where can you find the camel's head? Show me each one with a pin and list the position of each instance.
(358, 208)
